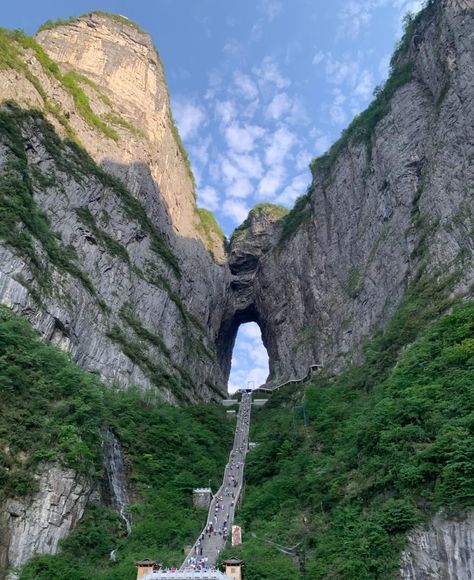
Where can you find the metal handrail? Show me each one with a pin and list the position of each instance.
(306, 377)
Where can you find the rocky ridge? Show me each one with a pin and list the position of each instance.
(390, 204)
(120, 274)
(152, 259)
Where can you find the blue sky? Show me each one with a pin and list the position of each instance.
(258, 88)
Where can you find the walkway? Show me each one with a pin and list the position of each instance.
(222, 508)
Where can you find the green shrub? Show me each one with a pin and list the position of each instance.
(208, 225)
(53, 411)
(389, 443)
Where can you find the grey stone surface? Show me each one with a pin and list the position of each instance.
(442, 551)
(339, 278)
(37, 524)
(316, 296)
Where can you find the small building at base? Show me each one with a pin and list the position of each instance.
(233, 568)
(145, 567)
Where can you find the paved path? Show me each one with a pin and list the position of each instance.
(222, 508)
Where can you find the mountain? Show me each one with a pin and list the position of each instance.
(105, 252)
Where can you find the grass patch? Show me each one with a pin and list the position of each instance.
(298, 215)
(51, 24)
(11, 43)
(119, 121)
(126, 314)
(137, 352)
(183, 152)
(354, 282)
(208, 226)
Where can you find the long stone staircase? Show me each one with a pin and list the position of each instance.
(202, 558)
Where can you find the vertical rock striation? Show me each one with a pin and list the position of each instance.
(443, 551)
(37, 524)
(155, 280)
(391, 202)
(116, 479)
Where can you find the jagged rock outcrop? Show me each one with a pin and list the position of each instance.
(443, 551)
(37, 524)
(244, 300)
(117, 270)
(164, 277)
(392, 203)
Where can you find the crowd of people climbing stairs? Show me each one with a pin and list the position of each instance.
(205, 552)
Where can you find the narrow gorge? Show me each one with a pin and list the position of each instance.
(104, 252)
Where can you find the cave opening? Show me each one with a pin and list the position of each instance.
(249, 363)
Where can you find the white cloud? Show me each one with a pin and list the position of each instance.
(208, 198)
(271, 182)
(322, 144)
(303, 158)
(248, 165)
(318, 58)
(241, 188)
(242, 139)
(341, 71)
(226, 111)
(336, 109)
(279, 105)
(269, 73)
(297, 187)
(270, 8)
(355, 15)
(251, 330)
(384, 66)
(200, 151)
(232, 47)
(364, 85)
(245, 86)
(280, 144)
(235, 210)
(189, 117)
(228, 170)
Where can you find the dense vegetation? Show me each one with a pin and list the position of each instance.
(51, 410)
(385, 447)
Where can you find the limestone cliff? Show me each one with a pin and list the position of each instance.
(146, 314)
(442, 551)
(35, 525)
(391, 202)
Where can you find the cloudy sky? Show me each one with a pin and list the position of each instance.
(258, 88)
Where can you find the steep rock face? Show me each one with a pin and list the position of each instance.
(174, 293)
(36, 525)
(379, 215)
(243, 300)
(443, 551)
